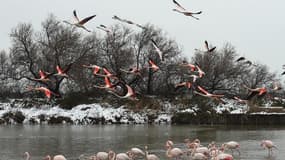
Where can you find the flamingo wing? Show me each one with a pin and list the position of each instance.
(75, 15)
(207, 46)
(83, 21)
(240, 59)
(203, 90)
(212, 49)
(47, 92)
(178, 5)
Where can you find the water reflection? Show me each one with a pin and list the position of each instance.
(73, 141)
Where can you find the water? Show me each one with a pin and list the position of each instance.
(73, 141)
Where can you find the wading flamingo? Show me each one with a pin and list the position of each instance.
(268, 144)
(150, 156)
(56, 157)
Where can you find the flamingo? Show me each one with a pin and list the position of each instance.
(223, 156)
(232, 145)
(269, 145)
(61, 72)
(108, 85)
(259, 91)
(56, 157)
(43, 76)
(136, 152)
(157, 49)
(128, 21)
(150, 156)
(182, 10)
(200, 71)
(130, 93)
(95, 68)
(186, 84)
(27, 154)
(153, 66)
(104, 28)
(191, 66)
(172, 152)
(47, 91)
(276, 86)
(198, 155)
(195, 77)
(209, 49)
(207, 94)
(240, 59)
(240, 100)
(119, 156)
(133, 70)
(80, 23)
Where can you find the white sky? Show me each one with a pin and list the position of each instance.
(255, 27)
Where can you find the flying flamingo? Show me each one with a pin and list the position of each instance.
(80, 23)
(276, 86)
(43, 76)
(269, 145)
(108, 84)
(128, 21)
(240, 59)
(186, 84)
(172, 152)
(61, 72)
(207, 47)
(153, 66)
(133, 70)
(150, 156)
(200, 71)
(95, 68)
(27, 154)
(182, 10)
(56, 157)
(160, 54)
(104, 28)
(191, 66)
(240, 100)
(232, 145)
(256, 91)
(130, 93)
(47, 91)
(207, 94)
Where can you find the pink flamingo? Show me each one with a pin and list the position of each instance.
(119, 156)
(198, 155)
(108, 84)
(157, 49)
(209, 95)
(27, 154)
(150, 156)
(56, 157)
(153, 66)
(200, 71)
(232, 145)
(182, 10)
(47, 91)
(172, 152)
(128, 21)
(136, 152)
(80, 23)
(269, 145)
(259, 91)
(130, 93)
(95, 68)
(104, 28)
(186, 84)
(61, 72)
(43, 76)
(191, 66)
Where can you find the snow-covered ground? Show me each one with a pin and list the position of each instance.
(96, 113)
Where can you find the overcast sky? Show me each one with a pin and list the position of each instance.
(255, 27)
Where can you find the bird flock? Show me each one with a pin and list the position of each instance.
(193, 150)
(118, 87)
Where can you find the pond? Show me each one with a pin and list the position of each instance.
(72, 141)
